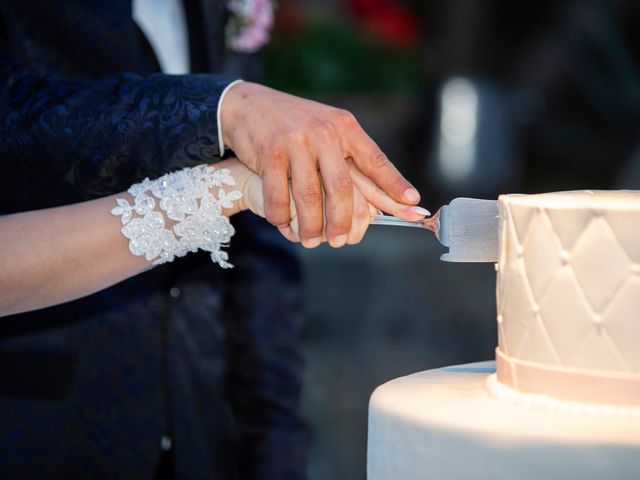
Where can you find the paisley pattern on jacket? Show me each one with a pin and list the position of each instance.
(95, 138)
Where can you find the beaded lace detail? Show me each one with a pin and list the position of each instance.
(186, 198)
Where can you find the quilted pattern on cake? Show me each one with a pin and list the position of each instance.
(569, 286)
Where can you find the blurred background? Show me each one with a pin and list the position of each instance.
(467, 98)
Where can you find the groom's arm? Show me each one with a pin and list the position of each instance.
(69, 139)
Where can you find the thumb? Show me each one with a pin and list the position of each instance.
(252, 194)
(253, 199)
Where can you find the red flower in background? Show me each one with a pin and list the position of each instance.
(393, 23)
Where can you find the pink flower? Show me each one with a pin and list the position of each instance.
(250, 25)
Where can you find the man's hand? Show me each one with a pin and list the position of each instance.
(250, 184)
(323, 150)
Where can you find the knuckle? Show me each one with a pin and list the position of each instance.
(276, 199)
(278, 202)
(297, 138)
(400, 183)
(379, 160)
(345, 117)
(322, 127)
(344, 185)
(311, 195)
(275, 153)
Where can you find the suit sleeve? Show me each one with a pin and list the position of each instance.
(70, 139)
(264, 325)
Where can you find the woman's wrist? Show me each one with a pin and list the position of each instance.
(247, 183)
(180, 212)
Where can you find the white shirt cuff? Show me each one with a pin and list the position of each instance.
(224, 92)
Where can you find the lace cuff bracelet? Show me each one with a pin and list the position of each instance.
(184, 197)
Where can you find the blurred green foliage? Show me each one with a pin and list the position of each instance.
(326, 56)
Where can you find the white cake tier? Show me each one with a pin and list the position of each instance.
(568, 292)
(442, 424)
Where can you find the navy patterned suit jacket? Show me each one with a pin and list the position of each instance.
(206, 357)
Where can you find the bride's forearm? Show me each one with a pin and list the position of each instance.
(60, 254)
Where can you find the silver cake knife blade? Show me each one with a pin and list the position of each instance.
(468, 226)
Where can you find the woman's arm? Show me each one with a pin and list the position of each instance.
(59, 254)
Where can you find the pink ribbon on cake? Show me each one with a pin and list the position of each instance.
(573, 384)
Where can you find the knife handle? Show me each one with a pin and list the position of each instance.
(395, 221)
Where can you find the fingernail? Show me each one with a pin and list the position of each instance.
(411, 195)
(339, 241)
(420, 211)
(312, 242)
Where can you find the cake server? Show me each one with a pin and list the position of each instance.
(468, 226)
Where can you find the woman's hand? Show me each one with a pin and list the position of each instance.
(251, 186)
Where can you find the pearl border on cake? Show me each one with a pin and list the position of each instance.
(501, 392)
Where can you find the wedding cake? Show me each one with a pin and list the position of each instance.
(562, 399)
